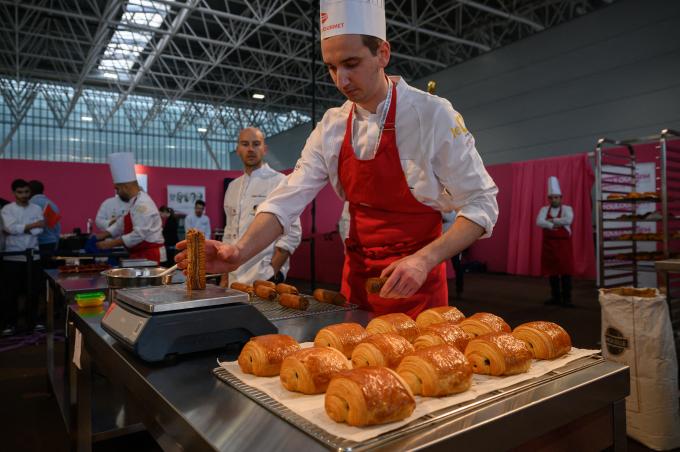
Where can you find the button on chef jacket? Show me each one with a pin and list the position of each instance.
(111, 208)
(565, 220)
(442, 166)
(14, 221)
(241, 202)
(146, 223)
(201, 223)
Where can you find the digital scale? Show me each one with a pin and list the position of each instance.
(159, 322)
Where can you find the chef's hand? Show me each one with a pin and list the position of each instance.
(219, 257)
(102, 235)
(406, 276)
(106, 244)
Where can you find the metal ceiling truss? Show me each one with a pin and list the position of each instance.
(201, 61)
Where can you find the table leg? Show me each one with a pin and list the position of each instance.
(619, 426)
(82, 425)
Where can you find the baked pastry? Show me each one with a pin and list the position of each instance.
(631, 292)
(439, 315)
(286, 288)
(436, 371)
(386, 349)
(394, 323)
(613, 196)
(262, 355)
(374, 285)
(243, 288)
(498, 354)
(341, 336)
(442, 333)
(484, 323)
(293, 301)
(546, 340)
(368, 396)
(329, 296)
(268, 293)
(196, 256)
(262, 282)
(310, 370)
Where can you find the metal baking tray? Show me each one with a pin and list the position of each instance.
(274, 311)
(446, 414)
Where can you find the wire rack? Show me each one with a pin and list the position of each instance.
(274, 311)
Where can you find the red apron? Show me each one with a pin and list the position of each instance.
(143, 250)
(556, 254)
(386, 224)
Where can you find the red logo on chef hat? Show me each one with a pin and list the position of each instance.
(324, 17)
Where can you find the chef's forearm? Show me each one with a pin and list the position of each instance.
(461, 235)
(264, 229)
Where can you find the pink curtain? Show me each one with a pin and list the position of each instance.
(529, 194)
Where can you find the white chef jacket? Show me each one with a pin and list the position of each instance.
(111, 208)
(14, 219)
(565, 220)
(241, 201)
(201, 223)
(146, 223)
(442, 166)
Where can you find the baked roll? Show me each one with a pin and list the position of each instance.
(329, 296)
(310, 370)
(375, 285)
(498, 354)
(484, 323)
(341, 336)
(262, 282)
(293, 301)
(442, 333)
(286, 288)
(436, 371)
(398, 323)
(265, 292)
(243, 288)
(439, 315)
(368, 396)
(262, 355)
(546, 340)
(196, 255)
(386, 349)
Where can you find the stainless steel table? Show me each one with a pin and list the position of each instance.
(186, 408)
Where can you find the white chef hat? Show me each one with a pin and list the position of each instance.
(353, 17)
(122, 166)
(554, 186)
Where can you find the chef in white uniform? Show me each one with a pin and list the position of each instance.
(198, 220)
(400, 156)
(109, 211)
(241, 201)
(141, 229)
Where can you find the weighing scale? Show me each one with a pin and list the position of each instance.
(161, 321)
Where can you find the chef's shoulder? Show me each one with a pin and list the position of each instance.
(437, 112)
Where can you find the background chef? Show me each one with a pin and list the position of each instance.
(109, 211)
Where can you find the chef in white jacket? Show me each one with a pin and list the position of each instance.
(241, 201)
(198, 220)
(400, 156)
(141, 229)
(557, 260)
(109, 211)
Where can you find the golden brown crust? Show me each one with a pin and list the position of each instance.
(498, 354)
(268, 293)
(394, 323)
(368, 396)
(262, 355)
(293, 301)
(546, 340)
(196, 256)
(436, 371)
(484, 323)
(438, 315)
(374, 285)
(386, 349)
(262, 282)
(243, 288)
(286, 288)
(310, 370)
(329, 296)
(341, 336)
(443, 333)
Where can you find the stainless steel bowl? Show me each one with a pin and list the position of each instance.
(118, 278)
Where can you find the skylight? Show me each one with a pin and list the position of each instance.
(131, 38)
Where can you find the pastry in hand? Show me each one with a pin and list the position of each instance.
(436, 371)
(442, 333)
(398, 323)
(546, 340)
(375, 285)
(484, 323)
(439, 315)
(262, 355)
(368, 396)
(310, 370)
(498, 354)
(386, 349)
(341, 336)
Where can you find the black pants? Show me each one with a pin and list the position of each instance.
(560, 288)
(457, 262)
(20, 278)
(47, 250)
